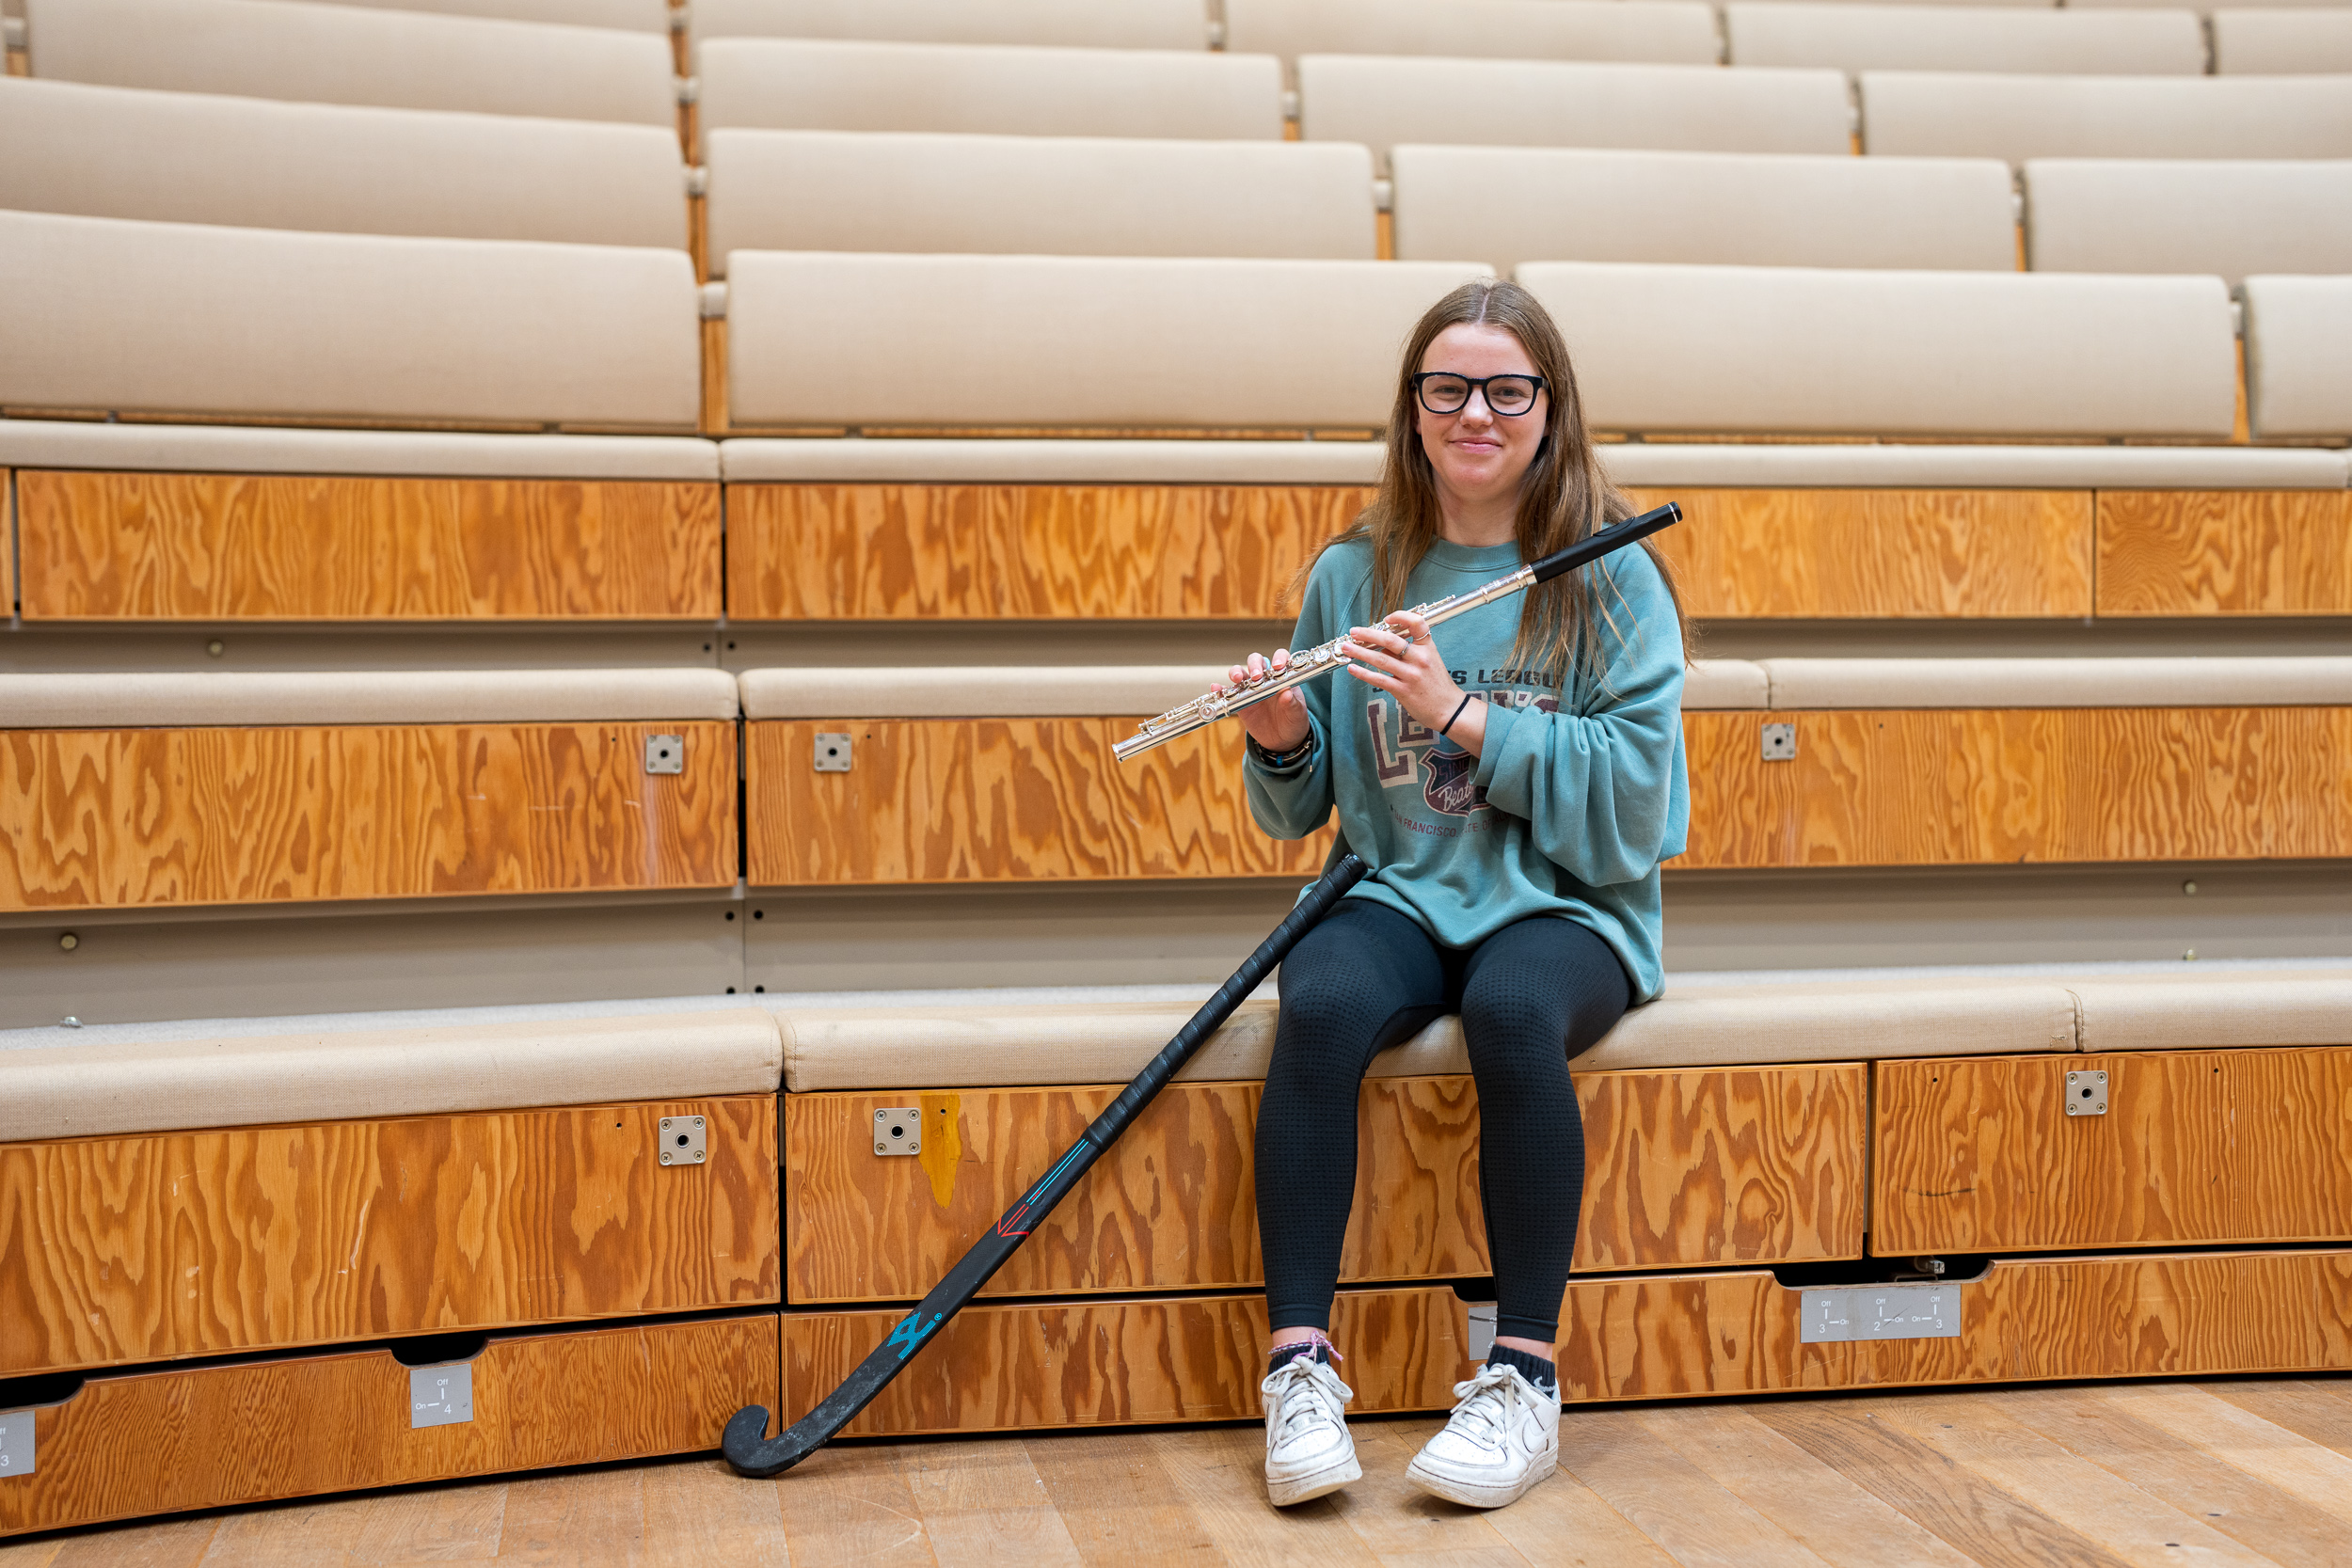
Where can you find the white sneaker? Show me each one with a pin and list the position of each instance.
(1307, 1450)
(1503, 1437)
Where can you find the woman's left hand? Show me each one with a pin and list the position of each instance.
(1412, 672)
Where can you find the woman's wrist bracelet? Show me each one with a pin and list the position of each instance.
(1291, 758)
(1457, 713)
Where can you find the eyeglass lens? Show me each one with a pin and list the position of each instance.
(1505, 394)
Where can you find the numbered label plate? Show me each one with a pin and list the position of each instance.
(1881, 1312)
(16, 1443)
(440, 1396)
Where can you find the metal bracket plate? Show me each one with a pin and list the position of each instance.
(685, 1140)
(1880, 1312)
(440, 1396)
(832, 751)
(665, 753)
(899, 1130)
(2086, 1093)
(16, 1443)
(1481, 1329)
(1780, 743)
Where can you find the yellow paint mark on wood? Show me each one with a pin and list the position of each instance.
(943, 1143)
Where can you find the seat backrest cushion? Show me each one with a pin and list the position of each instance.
(1965, 37)
(1070, 24)
(2227, 217)
(1789, 349)
(826, 85)
(1505, 205)
(1077, 195)
(2298, 341)
(186, 157)
(1383, 101)
(1964, 114)
(355, 54)
(2282, 43)
(1674, 31)
(171, 318)
(843, 339)
(633, 16)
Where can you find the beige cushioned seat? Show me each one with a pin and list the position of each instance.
(355, 54)
(2230, 218)
(828, 85)
(1063, 196)
(1967, 115)
(1383, 102)
(1505, 205)
(1967, 38)
(71, 1090)
(106, 313)
(1795, 349)
(149, 699)
(1076, 24)
(2299, 344)
(129, 152)
(2186, 1010)
(2048, 683)
(2282, 43)
(1016, 461)
(1972, 467)
(1678, 32)
(280, 450)
(965, 691)
(635, 16)
(839, 338)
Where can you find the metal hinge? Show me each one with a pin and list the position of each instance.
(2086, 1093)
(899, 1130)
(1780, 743)
(832, 751)
(665, 753)
(684, 1140)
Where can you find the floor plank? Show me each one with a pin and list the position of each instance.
(2262, 1448)
(1673, 1501)
(1399, 1523)
(1563, 1523)
(982, 1502)
(582, 1516)
(1220, 1475)
(1116, 1500)
(698, 1512)
(168, 1544)
(1982, 1521)
(459, 1523)
(851, 1503)
(2277, 1525)
(2320, 1411)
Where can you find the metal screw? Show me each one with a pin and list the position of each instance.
(2189, 887)
(2189, 957)
(215, 648)
(68, 942)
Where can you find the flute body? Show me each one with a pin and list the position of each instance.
(1312, 663)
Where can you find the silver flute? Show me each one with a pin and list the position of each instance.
(1307, 665)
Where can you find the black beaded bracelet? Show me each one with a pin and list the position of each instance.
(1457, 713)
(1291, 758)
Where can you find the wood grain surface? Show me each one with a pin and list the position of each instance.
(2026, 1320)
(7, 541)
(1977, 1155)
(1012, 552)
(245, 1432)
(1702, 1165)
(1003, 799)
(2245, 552)
(1007, 1367)
(214, 547)
(1880, 554)
(176, 1245)
(121, 818)
(1991, 786)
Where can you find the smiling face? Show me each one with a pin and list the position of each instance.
(1478, 457)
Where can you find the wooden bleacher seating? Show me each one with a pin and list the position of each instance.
(2189, 215)
(130, 791)
(2152, 42)
(343, 53)
(1507, 205)
(1680, 32)
(635, 16)
(2285, 42)
(829, 85)
(1082, 196)
(1074, 23)
(265, 1227)
(2299, 331)
(250, 163)
(1381, 101)
(1974, 114)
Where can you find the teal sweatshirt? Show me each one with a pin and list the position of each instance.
(1575, 800)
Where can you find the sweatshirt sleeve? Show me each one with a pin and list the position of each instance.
(1604, 786)
(1298, 800)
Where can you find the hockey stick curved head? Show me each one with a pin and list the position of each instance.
(753, 1452)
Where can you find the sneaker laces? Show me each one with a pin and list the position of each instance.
(1484, 1414)
(1300, 1407)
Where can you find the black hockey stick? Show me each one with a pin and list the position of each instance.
(745, 1444)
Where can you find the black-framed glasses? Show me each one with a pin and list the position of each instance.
(1444, 392)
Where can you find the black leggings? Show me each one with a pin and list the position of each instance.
(1530, 996)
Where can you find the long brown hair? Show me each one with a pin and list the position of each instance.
(1562, 498)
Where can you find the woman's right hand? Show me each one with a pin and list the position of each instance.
(1277, 724)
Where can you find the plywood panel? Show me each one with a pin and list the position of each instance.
(1197, 1358)
(244, 1432)
(988, 552)
(1977, 1155)
(7, 541)
(1003, 799)
(2163, 1315)
(216, 547)
(121, 818)
(1880, 554)
(198, 1244)
(1990, 786)
(1714, 1165)
(2232, 552)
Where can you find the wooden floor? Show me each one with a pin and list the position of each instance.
(2250, 1471)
